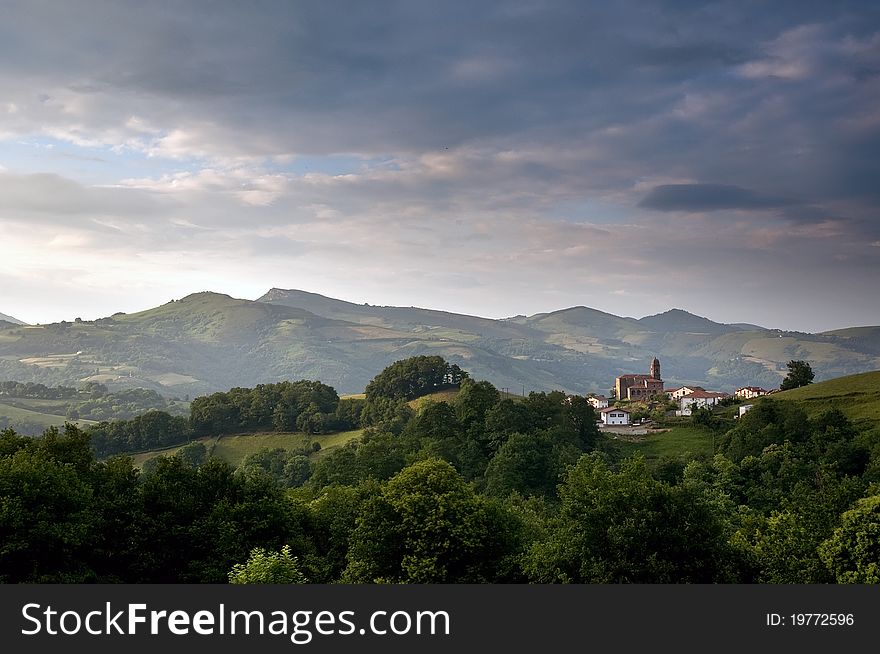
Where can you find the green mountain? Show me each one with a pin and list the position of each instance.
(209, 341)
(6, 318)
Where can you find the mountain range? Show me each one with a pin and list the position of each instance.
(209, 341)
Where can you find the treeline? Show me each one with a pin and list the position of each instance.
(307, 406)
(68, 518)
(152, 430)
(499, 444)
(39, 391)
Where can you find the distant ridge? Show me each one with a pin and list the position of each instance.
(678, 320)
(210, 341)
(15, 321)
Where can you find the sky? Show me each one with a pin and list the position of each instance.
(491, 158)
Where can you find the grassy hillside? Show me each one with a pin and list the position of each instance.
(208, 342)
(447, 396)
(857, 396)
(15, 413)
(235, 448)
(678, 441)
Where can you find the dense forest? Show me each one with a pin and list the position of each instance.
(480, 489)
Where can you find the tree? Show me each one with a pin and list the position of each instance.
(529, 464)
(627, 527)
(194, 454)
(799, 374)
(852, 554)
(428, 526)
(264, 567)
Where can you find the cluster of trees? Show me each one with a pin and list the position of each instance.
(289, 468)
(308, 406)
(415, 377)
(152, 430)
(68, 518)
(499, 444)
(478, 489)
(37, 391)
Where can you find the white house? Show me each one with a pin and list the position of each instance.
(614, 415)
(678, 393)
(745, 408)
(750, 392)
(698, 399)
(598, 401)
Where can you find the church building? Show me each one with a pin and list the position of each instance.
(640, 387)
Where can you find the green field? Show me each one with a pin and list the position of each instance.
(447, 396)
(678, 441)
(236, 447)
(15, 411)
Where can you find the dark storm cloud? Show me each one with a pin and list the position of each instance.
(388, 76)
(708, 197)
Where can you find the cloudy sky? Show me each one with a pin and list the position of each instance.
(493, 158)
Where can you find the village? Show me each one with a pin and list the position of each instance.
(639, 399)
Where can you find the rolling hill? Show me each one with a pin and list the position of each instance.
(209, 341)
(10, 319)
(857, 396)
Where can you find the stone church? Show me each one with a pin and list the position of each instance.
(640, 387)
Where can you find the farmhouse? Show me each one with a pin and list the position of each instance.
(598, 401)
(750, 392)
(639, 387)
(615, 416)
(699, 399)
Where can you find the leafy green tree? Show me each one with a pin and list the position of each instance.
(194, 454)
(389, 414)
(338, 467)
(627, 526)
(852, 553)
(767, 423)
(291, 469)
(547, 409)
(799, 374)
(427, 526)
(528, 464)
(474, 401)
(264, 567)
(198, 522)
(579, 415)
(333, 517)
(506, 418)
(46, 519)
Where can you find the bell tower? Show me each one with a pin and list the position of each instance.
(655, 368)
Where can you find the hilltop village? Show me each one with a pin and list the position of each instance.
(634, 395)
